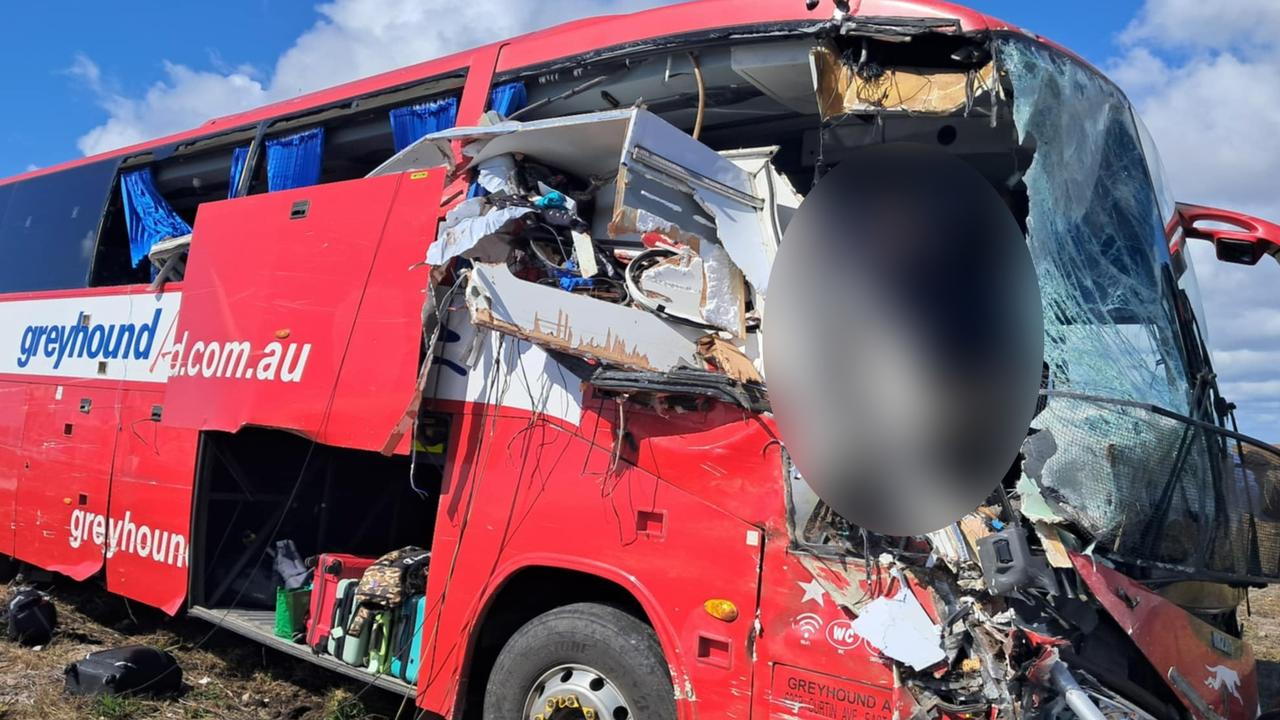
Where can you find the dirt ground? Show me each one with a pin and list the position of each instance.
(1263, 631)
(229, 678)
(226, 677)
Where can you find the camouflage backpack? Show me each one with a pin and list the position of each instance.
(387, 582)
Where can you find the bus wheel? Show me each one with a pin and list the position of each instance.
(581, 662)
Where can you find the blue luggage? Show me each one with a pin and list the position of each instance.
(406, 639)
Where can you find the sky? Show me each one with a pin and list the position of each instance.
(1203, 76)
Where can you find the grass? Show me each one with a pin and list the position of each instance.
(110, 707)
(226, 677)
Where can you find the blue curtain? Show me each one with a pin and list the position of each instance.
(238, 158)
(146, 214)
(412, 122)
(293, 161)
(506, 99)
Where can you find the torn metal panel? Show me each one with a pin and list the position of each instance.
(662, 147)
(900, 629)
(675, 285)
(781, 201)
(702, 288)
(844, 89)
(577, 324)
(487, 367)
(475, 231)
(741, 232)
(644, 203)
(724, 302)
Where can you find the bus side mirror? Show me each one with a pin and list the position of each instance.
(1245, 242)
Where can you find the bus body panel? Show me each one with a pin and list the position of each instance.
(13, 418)
(151, 493)
(68, 443)
(522, 491)
(380, 369)
(268, 331)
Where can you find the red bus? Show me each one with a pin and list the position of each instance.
(229, 337)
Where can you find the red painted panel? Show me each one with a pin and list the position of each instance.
(13, 417)
(380, 371)
(593, 34)
(150, 516)
(269, 304)
(806, 695)
(516, 483)
(1217, 666)
(68, 442)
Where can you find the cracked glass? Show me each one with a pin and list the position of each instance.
(1096, 233)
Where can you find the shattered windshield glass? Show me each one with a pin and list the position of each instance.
(1096, 233)
(1151, 487)
(1125, 451)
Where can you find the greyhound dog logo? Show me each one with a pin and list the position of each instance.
(1224, 677)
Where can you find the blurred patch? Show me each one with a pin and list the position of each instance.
(903, 339)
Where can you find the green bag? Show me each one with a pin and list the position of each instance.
(380, 643)
(291, 611)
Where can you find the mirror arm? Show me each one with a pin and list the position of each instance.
(1262, 236)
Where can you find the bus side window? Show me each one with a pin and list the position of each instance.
(174, 190)
(50, 227)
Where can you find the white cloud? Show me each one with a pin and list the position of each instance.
(1203, 76)
(1216, 25)
(185, 99)
(353, 39)
(86, 71)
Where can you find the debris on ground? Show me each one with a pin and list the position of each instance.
(226, 677)
(128, 670)
(30, 617)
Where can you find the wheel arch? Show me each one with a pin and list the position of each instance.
(562, 580)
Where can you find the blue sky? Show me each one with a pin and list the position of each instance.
(1202, 74)
(59, 106)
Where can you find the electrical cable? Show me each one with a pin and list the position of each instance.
(702, 96)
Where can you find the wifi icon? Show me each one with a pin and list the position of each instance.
(808, 625)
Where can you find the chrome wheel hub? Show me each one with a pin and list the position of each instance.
(575, 692)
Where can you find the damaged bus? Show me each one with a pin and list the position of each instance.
(506, 307)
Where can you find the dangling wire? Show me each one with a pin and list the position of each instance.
(702, 96)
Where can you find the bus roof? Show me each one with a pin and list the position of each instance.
(561, 41)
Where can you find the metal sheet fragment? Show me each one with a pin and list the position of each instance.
(576, 324)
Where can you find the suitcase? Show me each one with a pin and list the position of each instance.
(380, 642)
(330, 569)
(350, 649)
(137, 669)
(406, 640)
(31, 617)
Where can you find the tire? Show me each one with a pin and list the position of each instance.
(588, 655)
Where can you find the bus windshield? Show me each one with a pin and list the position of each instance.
(1128, 448)
(1097, 235)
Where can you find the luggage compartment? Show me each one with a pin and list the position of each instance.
(259, 486)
